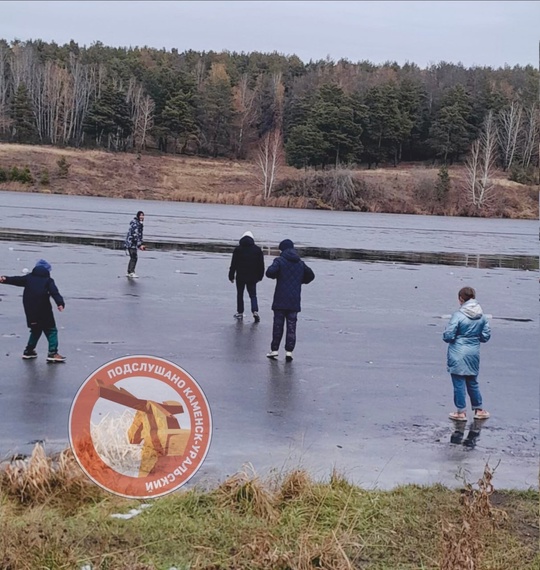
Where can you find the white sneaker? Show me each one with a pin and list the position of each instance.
(288, 356)
(272, 354)
(238, 315)
(132, 275)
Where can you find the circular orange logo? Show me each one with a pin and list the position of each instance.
(140, 426)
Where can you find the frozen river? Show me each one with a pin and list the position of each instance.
(367, 392)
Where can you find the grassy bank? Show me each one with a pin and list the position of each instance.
(52, 517)
(406, 189)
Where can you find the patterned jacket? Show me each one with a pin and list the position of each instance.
(134, 237)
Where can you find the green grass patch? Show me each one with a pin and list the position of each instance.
(290, 523)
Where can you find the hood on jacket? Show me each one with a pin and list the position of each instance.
(246, 240)
(42, 268)
(45, 264)
(290, 254)
(472, 309)
(40, 271)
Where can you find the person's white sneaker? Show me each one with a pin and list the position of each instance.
(272, 354)
(238, 316)
(288, 356)
(132, 275)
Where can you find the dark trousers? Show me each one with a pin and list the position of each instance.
(277, 332)
(51, 334)
(252, 292)
(132, 259)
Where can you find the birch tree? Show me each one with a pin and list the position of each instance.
(509, 129)
(245, 113)
(531, 134)
(269, 158)
(146, 121)
(481, 163)
(5, 120)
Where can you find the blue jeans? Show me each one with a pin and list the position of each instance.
(471, 384)
(252, 292)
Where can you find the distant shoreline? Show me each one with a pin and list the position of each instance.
(405, 189)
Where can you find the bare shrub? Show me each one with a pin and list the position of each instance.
(245, 491)
(462, 546)
(336, 189)
(340, 190)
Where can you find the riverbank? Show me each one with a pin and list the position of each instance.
(406, 189)
(59, 519)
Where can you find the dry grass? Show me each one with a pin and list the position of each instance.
(408, 189)
(41, 479)
(245, 491)
(292, 523)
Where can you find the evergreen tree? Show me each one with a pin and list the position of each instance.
(384, 124)
(108, 120)
(306, 146)
(24, 125)
(411, 98)
(333, 114)
(452, 130)
(216, 112)
(178, 120)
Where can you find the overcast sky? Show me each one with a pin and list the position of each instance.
(474, 33)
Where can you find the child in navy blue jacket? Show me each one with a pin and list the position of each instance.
(38, 288)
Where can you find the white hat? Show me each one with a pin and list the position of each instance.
(249, 234)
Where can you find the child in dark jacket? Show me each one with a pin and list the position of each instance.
(38, 288)
(291, 273)
(247, 266)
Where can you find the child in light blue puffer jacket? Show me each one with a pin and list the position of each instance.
(468, 327)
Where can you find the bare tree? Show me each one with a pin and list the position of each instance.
(509, 129)
(481, 164)
(4, 84)
(200, 73)
(268, 159)
(531, 133)
(278, 91)
(83, 88)
(245, 113)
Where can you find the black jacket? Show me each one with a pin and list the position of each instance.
(247, 262)
(38, 288)
(291, 273)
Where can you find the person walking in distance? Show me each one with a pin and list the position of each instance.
(247, 266)
(468, 327)
(134, 242)
(291, 273)
(39, 286)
